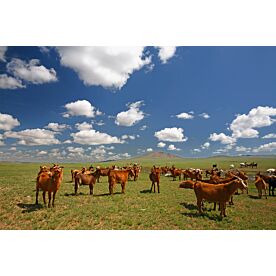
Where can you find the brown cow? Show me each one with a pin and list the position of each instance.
(176, 173)
(117, 176)
(49, 182)
(85, 178)
(260, 185)
(155, 178)
(217, 193)
(187, 184)
(101, 172)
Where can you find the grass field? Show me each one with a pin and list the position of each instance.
(173, 208)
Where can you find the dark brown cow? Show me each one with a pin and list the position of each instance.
(155, 178)
(101, 172)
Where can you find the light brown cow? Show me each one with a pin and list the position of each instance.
(49, 182)
(117, 176)
(260, 185)
(155, 178)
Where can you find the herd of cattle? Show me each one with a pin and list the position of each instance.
(219, 187)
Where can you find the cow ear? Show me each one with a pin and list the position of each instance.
(41, 167)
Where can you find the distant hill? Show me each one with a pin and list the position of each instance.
(157, 155)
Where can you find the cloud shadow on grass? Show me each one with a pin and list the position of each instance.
(28, 208)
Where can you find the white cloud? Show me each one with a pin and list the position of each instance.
(172, 147)
(131, 137)
(197, 150)
(161, 145)
(83, 126)
(67, 142)
(242, 149)
(80, 108)
(204, 115)
(184, 116)
(224, 139)
(144, 127)
(99, 151)
(93, 137)
(75, 150)
(205, 145)
(31, 72)
(7, 122)
(57, 127)
(149, 149)
(3, 50)
(270, 136)
(171, 135)
(7, 82)
(109, 67)
(13, 148)
(166, 52)
(130, 117)
(33, 137)
(244, 125)
(266, 147)
(42, 152)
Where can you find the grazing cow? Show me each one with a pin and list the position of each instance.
(217, 193)
(155, 178)
(260, 185)
(193, 174)
(49, 182)
(136, 171)
(84, 178)
(117, 176)
(272, 184)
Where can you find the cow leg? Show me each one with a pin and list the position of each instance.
(54, 196)
(215, 205)
(49, 197)
(269, 190)
(152, 183)
(76, 187)
(44, 197)
(98, 179)
(123, 187)
(199, 205)
(91, 189)
(154, 188)
(158, 187)
(265, 193)
(111, 188)
(36, 196)
(231, 201)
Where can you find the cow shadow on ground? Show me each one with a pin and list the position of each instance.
(30, 207)
(253, 197)
(73, 194)
(108, 194)
(148, 191)
(206, 212)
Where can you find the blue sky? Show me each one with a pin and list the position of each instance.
(190, 101)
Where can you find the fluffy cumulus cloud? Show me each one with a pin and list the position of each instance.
(244, 125)
(57, 127)
(7, 122)
(31, 72)
(266, 147)
(81, 108)
(166, 52)
(3, 50)
(109, 67)
(83, 126)
(1, 140)
(205, 145)
(221, 137)
(196, 150)
(185, 116)
(33, 137)
(76, 150)
(7, 82)
(161, 145)
(93, 137)
(130, 117)
(171, 135)
(149, 149)
(144, 127)
(172, 147)
(270, 136)
(131, 137)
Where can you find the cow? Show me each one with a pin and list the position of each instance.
(187, 184)
(49, 182)
(84, 178)
(176, 173)
(260, 185)
(117, 176)
(193, 174)
(101, 172)
(155, 178)
(217, 193)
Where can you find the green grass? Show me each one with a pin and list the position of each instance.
(173, 208)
